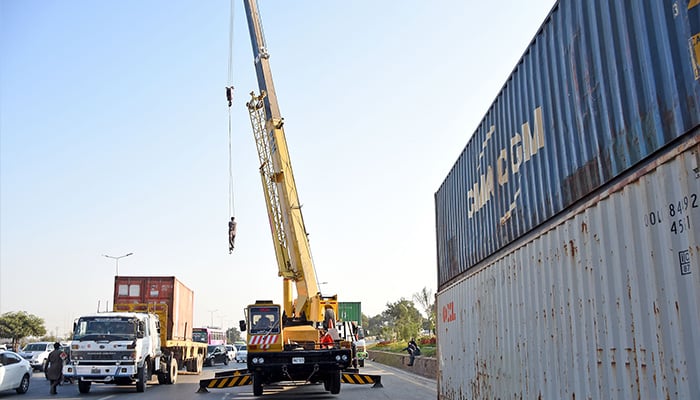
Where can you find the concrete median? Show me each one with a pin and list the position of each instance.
(424, 366)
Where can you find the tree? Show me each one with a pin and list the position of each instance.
(20, 324)
(233, 335)
(404, 319)
(426, 301)
(375, 324)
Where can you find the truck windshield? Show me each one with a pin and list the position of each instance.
(105, 328)
(264, 320)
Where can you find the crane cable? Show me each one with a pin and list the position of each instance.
(229, 98)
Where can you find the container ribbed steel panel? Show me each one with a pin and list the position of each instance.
(602, 86)
(602, 302)
(160, 294)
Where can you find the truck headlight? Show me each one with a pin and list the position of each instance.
(258, 360)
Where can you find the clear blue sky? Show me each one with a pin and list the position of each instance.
(114, 139)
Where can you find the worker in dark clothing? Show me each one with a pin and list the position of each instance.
(54, 367)
(231, 234)
(413, 351)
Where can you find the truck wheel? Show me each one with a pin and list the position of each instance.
(83, 386)
(257, 385)
(362, 363)
(226, 360)
(335, 383)
(162, 380)
(171, 377)
(142, 375)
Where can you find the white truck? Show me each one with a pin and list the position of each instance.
(117, 347)
(149, 332)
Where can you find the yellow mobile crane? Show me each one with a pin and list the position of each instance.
(284, 343)
(297, 340)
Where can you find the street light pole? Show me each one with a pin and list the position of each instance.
(222, 321)
(212, 317)
(116, 259)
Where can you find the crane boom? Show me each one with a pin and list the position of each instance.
(298, 340)
(291, 243)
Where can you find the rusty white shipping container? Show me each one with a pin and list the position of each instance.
(568, 230)
(589, 306)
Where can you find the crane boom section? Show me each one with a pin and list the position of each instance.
(281, 196)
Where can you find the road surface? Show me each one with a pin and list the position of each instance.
(398, 384)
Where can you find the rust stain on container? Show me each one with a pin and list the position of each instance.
(160, 293)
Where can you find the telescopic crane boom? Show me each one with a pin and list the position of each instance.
(297, 341)
(289, 234)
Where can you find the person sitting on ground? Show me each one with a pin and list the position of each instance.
(413, 351)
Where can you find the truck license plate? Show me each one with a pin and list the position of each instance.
(297, 360)
(95, 371)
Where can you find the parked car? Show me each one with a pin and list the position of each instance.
(241, 352)
(231, 352)
(15, 372)
(36, 354)
(216, 353)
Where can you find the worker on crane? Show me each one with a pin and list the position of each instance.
(231, 234)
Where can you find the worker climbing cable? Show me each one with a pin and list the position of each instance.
(231, 234)
(229, 100)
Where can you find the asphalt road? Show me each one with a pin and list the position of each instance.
(397, 384)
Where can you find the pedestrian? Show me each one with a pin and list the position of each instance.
(54, 367)
(231, 234)
(413, 351)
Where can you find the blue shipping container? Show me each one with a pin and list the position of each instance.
(602, 86)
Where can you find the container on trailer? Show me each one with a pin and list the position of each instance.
(158, 294)
(350, 311)
(568, 230)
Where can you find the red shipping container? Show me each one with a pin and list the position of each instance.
(159, 294)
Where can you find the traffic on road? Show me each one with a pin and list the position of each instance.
(396, 384)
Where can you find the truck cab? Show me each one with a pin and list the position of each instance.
(119, 348)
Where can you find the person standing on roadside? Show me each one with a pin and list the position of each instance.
(54, 367)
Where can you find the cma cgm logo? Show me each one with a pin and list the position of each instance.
(522, 148)
(448, 312)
